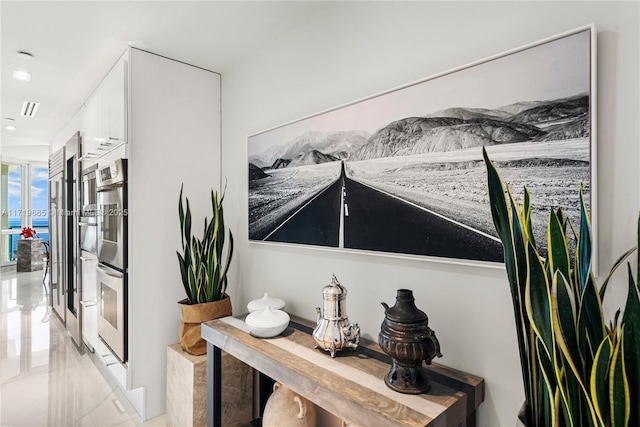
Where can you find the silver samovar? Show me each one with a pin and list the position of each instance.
(333, 331)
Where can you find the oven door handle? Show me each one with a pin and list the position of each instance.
(107, 187)
(87, 224)
(108, 273)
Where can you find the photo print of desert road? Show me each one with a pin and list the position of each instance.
(402, 172)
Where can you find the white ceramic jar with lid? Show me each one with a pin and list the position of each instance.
(267, 323)
(266, 300)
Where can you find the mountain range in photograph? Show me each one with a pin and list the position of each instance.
(417, 185)
(447, 130)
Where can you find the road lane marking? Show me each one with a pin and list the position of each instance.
(482, 233)
(296, 212)
(346, 210)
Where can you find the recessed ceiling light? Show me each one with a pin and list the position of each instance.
(10, 127)
(29, 108)
(21, 75)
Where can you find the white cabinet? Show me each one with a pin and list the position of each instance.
(112, 108)
(174, 138)
(90, 130)
(104, 121)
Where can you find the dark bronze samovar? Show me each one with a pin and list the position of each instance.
(406, 337)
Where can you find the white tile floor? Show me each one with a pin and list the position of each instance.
(44, 379)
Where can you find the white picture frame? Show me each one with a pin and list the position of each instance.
(534, 107)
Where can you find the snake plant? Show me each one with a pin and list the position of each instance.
(204, 276)
(577, 369)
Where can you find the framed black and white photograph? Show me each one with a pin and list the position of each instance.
(401, 172)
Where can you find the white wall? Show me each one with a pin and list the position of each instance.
(174, 138)
(351, 50)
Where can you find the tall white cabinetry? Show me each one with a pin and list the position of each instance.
(174, 138)
(164, 117)
(104, 118)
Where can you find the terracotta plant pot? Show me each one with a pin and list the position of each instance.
(192, 316)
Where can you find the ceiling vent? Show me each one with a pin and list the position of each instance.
(29, 109)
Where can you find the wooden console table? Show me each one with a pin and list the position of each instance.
(350, 386)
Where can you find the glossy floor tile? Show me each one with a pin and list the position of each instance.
(45, 380)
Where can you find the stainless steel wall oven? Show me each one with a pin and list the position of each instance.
(111, 186)
(112, 312)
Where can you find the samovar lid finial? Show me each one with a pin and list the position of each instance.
(334, 288)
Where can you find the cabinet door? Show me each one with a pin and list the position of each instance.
(90, 129)
(112, 107)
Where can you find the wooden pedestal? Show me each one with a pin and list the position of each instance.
(187, 389)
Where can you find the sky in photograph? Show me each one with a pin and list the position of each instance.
(553, 70)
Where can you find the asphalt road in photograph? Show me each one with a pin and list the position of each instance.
(373, 220)
(381, 222)
(316, 223)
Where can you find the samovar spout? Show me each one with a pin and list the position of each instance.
(318, 315)
(352, 335)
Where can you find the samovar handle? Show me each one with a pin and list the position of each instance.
(431, 336)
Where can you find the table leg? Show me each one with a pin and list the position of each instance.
(265, 390)
(214, 386)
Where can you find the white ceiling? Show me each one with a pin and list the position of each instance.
(74, 43)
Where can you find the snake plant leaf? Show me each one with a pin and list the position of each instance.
(538, 300)
(221, 233)
(211, 284)
(526, 209)
(619, 399)
(583, 246)
(187, 222)
(502, 221)
(499, 212)
(227, 263)
(568, 363)
(569, 403)
(519, 236)
(598, 380)
(181, 215)
(547, 410)
(558, 253)
(202, 283)
(184, 275)
(574, 389)
(216, 280)
(631, 335)
(591, 324)
(564, 321)
(618, 263)
(562, 410)
(519, 244)
(193, 291)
